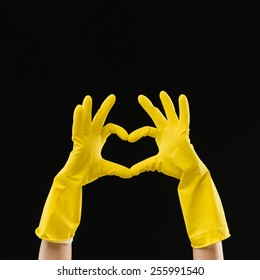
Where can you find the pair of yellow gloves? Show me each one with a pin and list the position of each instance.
(200, 203)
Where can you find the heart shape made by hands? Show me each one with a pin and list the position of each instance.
(127, 153)
(171, 133)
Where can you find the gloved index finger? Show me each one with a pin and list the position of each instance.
(116, 129)
(142, 132)
(101, 115)
(155, 114)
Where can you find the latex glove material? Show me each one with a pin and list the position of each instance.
(62, 210)
(200, 202)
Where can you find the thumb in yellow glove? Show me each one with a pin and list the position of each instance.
(62, 210)
(200, 202)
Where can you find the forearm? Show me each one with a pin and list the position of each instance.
(59, 221)
(55, 251)
(211, 252)
(62, 212)
(202, 210)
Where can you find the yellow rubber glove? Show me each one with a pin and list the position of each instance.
(200, 202)
(62, 210)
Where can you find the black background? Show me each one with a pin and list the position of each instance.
(53, 54)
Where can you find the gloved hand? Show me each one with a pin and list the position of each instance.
(200, 202)
(62, 210)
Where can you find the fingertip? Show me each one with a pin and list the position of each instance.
(183, 101)
(133, 137)
(109, 101)
(140, 167)
(112, 97)
(183, 97)
(122, 133)
(78, 106)
(144, 101)
(87, 101)
(184, 110)
(134, 171)
(127, 175)
(162, 93)
(130, 138)
(141, 97)
(77, 109)
(123, 172)
(87, 98)
(164, 96)
(77, 120)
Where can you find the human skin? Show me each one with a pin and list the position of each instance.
(57, 251)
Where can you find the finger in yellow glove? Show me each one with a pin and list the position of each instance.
(62, 210)
(200, 202)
